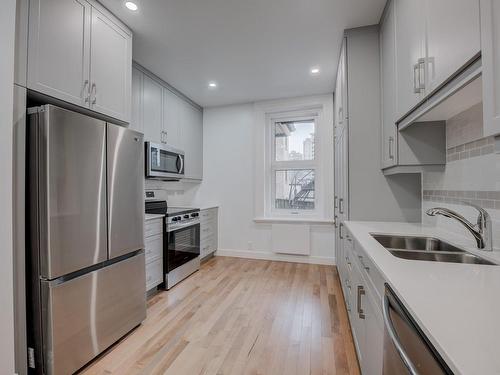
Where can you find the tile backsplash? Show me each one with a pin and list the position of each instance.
(471, 176)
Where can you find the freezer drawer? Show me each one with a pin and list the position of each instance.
(67, 182)
(125, 190)
(84, 316)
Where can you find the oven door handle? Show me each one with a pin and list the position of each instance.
(394, 338)
(176, 227)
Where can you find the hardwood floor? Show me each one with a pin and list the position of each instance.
(241, 316)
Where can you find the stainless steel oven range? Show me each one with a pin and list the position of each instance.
(181, 240)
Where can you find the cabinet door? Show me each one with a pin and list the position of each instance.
(357, 317)
(110, 67)
(136, 122)
(58, 49)
(490, 44)
(192, 137)
(453, 37)
(171, 118)
(341, 92)
(152, 110)
(373, 355)
(388, 86)
(410, 53)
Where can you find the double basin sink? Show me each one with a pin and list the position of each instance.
(427, 248)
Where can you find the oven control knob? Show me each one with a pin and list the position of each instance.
(174, 219)
(186, 216)
(194, 215)
(179, 218)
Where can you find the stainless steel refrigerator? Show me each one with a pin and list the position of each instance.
(86, 242)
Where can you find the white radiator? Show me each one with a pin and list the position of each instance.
(291, 239)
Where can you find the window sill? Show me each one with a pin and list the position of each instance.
(292, 220)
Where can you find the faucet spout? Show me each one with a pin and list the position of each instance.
(481, 231)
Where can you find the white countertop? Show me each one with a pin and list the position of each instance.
(153, 216)
(456, 305)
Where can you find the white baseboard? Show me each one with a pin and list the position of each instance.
(277, 257)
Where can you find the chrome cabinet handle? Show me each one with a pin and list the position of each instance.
(93, 90)
(335, 201)
(361, 292)
(341, 205)
(335, 218)
(362, 263)
(347, 260)
(416, 81)
(391, 144)
(341, 225)
(421, 74)
(394, 338)
(85, 85)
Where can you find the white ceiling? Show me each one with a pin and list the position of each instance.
(253, 49)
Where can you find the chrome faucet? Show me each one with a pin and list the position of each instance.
(481, 231)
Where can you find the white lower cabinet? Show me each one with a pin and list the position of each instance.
(360, 285)
(153, 241)
(209, 231)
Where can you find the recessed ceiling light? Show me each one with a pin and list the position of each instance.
(314, 70)
(212, 84)
(131, 5)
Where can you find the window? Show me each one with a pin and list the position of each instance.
(293, 165)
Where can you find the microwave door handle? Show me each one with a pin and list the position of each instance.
(181, 160)
(394, 338)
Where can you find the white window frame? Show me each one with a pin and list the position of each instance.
(272, 165)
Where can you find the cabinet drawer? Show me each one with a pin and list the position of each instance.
(153, 227)
(368, 270)
(154, 273)
(209, 214)
(207, 241)
(154, 247)
(207, 231)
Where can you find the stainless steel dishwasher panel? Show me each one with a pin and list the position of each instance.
(406, 349)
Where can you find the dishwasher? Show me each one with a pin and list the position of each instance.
(406, 349)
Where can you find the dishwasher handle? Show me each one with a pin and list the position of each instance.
(394, 338)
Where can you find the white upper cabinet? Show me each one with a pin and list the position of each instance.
(453, 37)
(164, 116)
(59, 52)
(172, 126)
(192, 140)
(111, 66)
(136, 120)
(152, 110)
(388, 87)
(341, 93)
(410, 54)
(80, 53)
(434, 39)
(490, 44)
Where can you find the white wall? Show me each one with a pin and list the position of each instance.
(229, 151)
(7, 27)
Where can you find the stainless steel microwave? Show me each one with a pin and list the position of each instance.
(164, 162)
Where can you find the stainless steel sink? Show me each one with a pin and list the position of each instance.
(427, 248)
(462, 257)
(415, 243)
